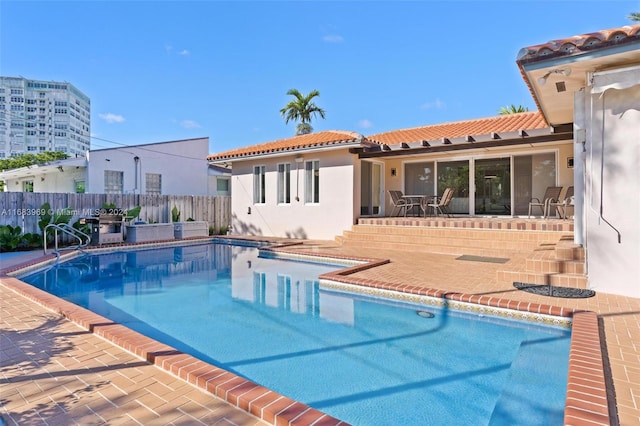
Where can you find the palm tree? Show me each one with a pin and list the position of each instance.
(512, 109)
(634, 16)
(302, 108)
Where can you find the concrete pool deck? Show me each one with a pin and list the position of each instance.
(53, 369)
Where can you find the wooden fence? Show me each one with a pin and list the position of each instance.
(24, 209)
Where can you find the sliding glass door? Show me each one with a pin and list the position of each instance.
(455, 174)
(419, 178)
(371, 196)
(493, 186)
(532, 175)
(492, 179)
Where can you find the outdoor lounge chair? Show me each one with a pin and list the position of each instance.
(400, 203)
(551, 195)
(442, 205)
(562, 206)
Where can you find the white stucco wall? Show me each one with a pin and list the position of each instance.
(57, 176)
(325, 220)
(182, 164)
(612, 205)
(53, 182)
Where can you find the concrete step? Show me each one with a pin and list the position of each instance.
(448, 239)
(555, 266)
(570, 251)
(474, 234)
(522, 224)
(432, 247)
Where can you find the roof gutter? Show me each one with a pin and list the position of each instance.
(285, 152)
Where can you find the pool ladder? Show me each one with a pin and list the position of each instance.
(65, 228)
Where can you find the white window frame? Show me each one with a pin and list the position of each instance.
(259, 184)
(284, 183)
(312, 182)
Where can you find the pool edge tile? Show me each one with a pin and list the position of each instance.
(578, 410)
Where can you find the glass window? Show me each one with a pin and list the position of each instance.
(153, 183)
(312, 181)
(284, 183)
(493, 186)
(455, 174)
(222, 186)
(532, 175)
(419, 178)
(112, 182)
(27, 186)
(80, 187)
(259, 179)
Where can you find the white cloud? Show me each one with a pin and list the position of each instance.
(190, 124)
(169, 49)
(437, 104)
(333, 38)
(112, 118)
(365, 124)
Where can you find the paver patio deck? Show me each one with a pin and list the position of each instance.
(54, 372)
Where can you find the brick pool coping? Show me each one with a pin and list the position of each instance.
(586, 400)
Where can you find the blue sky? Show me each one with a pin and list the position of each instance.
(165, 70)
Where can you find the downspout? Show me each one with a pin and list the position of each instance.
(580, 156)
(601, 189)
(136, 160)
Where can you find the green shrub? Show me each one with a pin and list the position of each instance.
(175, 214)
(12, 239)
(60, 217)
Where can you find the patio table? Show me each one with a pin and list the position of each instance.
(414, 200)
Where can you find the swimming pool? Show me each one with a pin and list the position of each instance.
(364, 360)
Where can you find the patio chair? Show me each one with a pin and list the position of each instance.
(551, 195)
(441, 205)
(562, 206)
(400, 203)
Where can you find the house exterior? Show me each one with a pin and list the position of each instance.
(65, 176)
(495, 165)
(482, 159)
(300, 187)
(593, 81)
(156, 168)
(174, 167)
(317, 185)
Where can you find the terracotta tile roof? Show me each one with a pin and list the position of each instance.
(579, 44)
(481, 126)
(312, 140)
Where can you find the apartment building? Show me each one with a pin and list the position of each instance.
(37, 116)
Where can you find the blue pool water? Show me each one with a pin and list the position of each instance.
(364, 360)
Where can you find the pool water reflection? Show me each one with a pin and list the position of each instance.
(364, 360)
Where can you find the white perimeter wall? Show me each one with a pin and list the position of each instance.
(182, 164)
(612, 198)
(325, 220)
